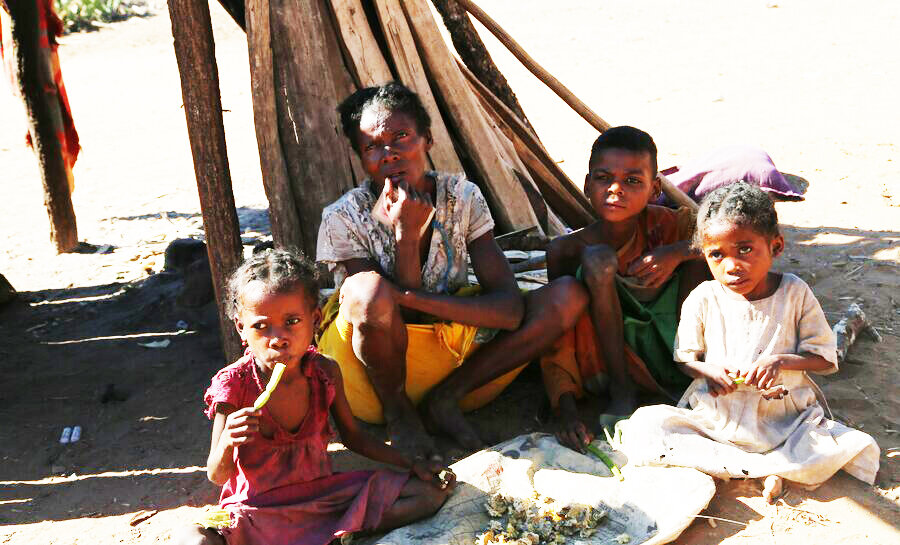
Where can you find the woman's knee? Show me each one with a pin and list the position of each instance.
(599, 263)
(368, 298)
(562, 303)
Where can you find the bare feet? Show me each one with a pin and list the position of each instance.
(772, 487)
(442, 414)
(570, 431)
(407, 433)
(621, 405)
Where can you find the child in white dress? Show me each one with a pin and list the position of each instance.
(749, 337)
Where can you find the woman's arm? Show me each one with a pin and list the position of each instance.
(231, 428)
(500, 304)
(409, 212)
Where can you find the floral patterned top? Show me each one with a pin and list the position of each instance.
(349, 231)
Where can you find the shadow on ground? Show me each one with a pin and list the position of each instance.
(144, 447)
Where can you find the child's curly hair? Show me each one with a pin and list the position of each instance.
(279, 270)
(738, 204)
(393, 96)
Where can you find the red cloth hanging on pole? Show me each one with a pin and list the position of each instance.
(50, 26)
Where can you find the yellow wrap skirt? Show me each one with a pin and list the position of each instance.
(432, 353)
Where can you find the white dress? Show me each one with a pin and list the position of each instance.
(742, 434)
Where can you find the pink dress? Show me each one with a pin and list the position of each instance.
(284, 491)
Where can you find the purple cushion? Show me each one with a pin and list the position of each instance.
(727, 165)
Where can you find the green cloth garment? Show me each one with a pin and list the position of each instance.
(649, 329)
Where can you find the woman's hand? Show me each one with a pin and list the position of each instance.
(719, 379)
(655, 267)
(764, 373)
(408, 210)
(241, 427)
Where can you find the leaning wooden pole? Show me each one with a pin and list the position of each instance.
(672, 191)
(283, 216)
(475, 55)
(195, 52)
(554, 84)
(39, 93)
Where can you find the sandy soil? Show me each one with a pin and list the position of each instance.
(811, 82)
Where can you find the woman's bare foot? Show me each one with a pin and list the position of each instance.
(772, 488)
(407, 433)
(442, 414)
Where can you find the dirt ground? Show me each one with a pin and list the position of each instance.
(812, 82)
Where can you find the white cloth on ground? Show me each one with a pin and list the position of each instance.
(743, 434)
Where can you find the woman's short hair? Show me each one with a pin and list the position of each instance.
(393, 96)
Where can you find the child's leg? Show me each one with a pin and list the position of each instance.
(599, 265)
(417, 500)
(195, 535)
(772, 488)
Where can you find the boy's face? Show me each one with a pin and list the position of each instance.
(620, 183)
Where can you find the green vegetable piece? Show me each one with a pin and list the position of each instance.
(606, 460)
(270, 387)
(608, 437)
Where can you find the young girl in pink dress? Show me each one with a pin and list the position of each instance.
(277, 483)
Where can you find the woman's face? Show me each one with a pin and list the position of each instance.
(390, 146)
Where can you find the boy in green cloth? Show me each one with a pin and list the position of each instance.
(636, 262)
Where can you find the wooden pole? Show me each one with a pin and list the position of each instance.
(582, 109)
(235, 8)
(195, 53)
(559, 191)
(475, 55)
(510, 205)
(554, 84)
(368, 63)
(39, 93)
(282, 210)
(307, 80)
(411, 72)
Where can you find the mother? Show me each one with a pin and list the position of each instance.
(398, 326)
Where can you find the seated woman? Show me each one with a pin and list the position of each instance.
(398, 246)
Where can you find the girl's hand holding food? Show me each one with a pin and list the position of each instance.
(719, 379)
(764, 373)
(241, 427)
